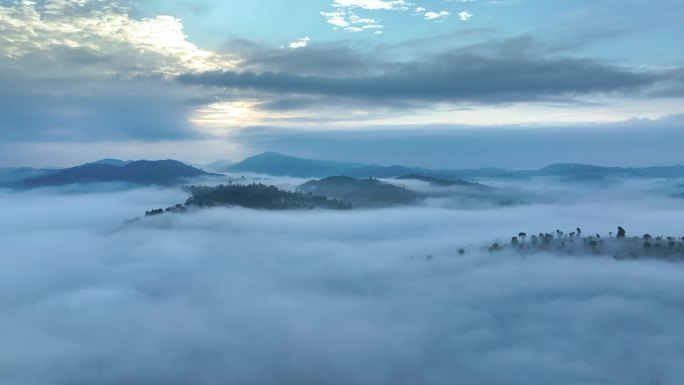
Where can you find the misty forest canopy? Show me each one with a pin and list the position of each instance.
(616, 244)
(259, 196)
(361, 192)
(328, 193)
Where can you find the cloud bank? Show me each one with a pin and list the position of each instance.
(238, 296)
(449, 77)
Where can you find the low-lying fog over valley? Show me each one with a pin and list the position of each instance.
(93, 291)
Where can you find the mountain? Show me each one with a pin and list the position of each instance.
(361, 192)
(573, 171)
(272, 163)
(143, 172)
(276, 164)
(217, 166)
(282, 165)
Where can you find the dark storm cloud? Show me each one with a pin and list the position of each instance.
(448, 77)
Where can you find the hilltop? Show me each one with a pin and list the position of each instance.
(252, 196)
(161, 172)
(361, 192)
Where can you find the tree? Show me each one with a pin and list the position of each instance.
(579, 232)
(522, 236)
(621, 232)
(593, 244)
(461, 252)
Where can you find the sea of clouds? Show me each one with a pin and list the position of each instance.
(236, 296)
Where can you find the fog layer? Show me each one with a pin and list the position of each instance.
(235, 296)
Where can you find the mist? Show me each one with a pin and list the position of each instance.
(381, 296)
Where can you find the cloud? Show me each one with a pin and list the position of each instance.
(465, 15)
(96, 37)
(300, 43)
(96, 109)
(317, 59)
(434, 15)
(87, 71)
(455, 77)
(231, 295)
(344, 16)
(351, 22)
(338, 19)
(372, 4)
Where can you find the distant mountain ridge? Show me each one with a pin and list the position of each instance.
(273, 163)
(276, 164)
(144, 172)
(586, 169)
(12, 175)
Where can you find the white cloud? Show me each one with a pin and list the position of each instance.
(372, 4)
(338, 19)
(300, 43)
(345, 18)
(350, 22)
(100, 37)
(465, 15)
(420, 10)
(435, 15)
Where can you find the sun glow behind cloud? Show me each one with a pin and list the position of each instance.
(224, 117)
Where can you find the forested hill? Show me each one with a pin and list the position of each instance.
(361, 192)
(161, 172)
(253, 196)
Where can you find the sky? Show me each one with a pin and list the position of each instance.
(449, 83)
